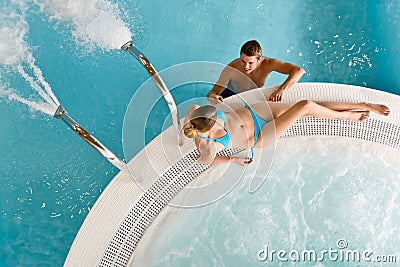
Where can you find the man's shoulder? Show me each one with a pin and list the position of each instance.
(234, 63)
(270, 62)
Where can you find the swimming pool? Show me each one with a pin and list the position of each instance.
(319, 190)
(51, 178)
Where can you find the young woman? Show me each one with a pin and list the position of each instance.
(258, 125)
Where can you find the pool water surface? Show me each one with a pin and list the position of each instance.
(51, 178)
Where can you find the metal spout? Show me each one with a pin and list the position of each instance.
(131, 49)
(60, 110)
(126, 46)
(61, 114)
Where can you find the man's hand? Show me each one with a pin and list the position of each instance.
(277, 95)
(214, 98)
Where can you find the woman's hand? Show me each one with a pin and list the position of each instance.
(241, 161)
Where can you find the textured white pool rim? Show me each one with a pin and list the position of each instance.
(123, 212)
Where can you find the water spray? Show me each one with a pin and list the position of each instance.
(131, 49)
(61, 114)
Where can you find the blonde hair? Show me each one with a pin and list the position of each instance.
(201, 120)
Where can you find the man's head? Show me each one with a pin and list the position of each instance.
(251, 48)
(250, 55)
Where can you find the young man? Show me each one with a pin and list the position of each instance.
(250, 71)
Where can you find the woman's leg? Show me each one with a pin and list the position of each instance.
(341, 106)
(304, 108)
(271, 110)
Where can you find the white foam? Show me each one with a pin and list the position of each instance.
(16, 55)
(12, 33)
(93, 22)
(33, 105)
(38, 82)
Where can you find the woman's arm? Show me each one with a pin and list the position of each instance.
(208, 155)
(207, 151)
(237, 160)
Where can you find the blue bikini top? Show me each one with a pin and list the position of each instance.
(224, 140)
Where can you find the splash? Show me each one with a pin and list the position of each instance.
(43, 107)
(12, 32)
(93, 22)
(16, 56)
(38, 83)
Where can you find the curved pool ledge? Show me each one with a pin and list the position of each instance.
(119, 218)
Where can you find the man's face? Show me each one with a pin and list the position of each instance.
(248, 63)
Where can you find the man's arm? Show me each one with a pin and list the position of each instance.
(214, 95)
(294, 74)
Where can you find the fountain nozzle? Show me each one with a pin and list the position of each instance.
(127, 45)
(60, 111)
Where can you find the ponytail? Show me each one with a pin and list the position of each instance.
(190, 131)
(201, 120)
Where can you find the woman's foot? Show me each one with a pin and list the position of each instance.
(377, 108)
(354, 115)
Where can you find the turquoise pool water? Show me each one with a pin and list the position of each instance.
(320, 194)
(51, 178)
